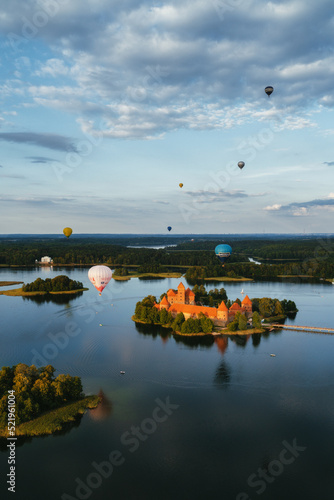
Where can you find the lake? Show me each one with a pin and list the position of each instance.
(190, 419)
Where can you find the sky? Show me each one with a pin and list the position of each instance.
(107, 105)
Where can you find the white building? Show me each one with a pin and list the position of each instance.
(46, 260)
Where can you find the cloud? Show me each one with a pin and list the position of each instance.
(161, 202)
(273, 207)
(329, 163)
(156, 67)
(49, 141)
(40, 159)
(298, 209)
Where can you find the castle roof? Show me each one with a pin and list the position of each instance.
(211, 312)
(164, 301)
(222, 307)
(181, 285)
(171, 293)
(235, 307)
(190, 292)
(246, 300)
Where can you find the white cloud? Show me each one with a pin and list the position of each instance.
(273, 207)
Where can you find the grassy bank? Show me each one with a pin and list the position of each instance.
(216, 332)
(226, 278)
(18, 292)
(147, 275)
(54, 420)
(8, 283)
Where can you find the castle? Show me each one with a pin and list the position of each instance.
(184, 301)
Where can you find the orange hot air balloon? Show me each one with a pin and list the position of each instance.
(181, 185)
(67, 231)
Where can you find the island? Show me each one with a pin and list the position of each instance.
(198, 312)
(33, 402)
(58, 285)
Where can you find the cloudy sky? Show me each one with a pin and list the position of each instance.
(107, 105)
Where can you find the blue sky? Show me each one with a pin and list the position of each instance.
(107, 105)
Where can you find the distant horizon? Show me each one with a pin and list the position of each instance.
(163, 235)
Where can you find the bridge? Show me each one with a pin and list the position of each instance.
(314, 329)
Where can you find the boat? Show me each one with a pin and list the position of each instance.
(242, 291)
(122, 373)
(273, 355)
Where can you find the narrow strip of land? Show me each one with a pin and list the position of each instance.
(304, 328)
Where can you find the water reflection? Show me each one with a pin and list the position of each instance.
(222, 343)
(103, 410)
(153, 331)
(222, 376)
(54, 298)
(195, 341)
(256, 339)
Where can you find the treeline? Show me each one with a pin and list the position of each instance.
(213, 298)
(60, 283)
(312, 257)
(309, 268)
(268, 307)
(288, 248)
(147, 313)
(36, 391)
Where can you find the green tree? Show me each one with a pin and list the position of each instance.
(256, 320)
(179, 319)
(242, 322)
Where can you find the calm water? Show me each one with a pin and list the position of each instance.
(217, 419)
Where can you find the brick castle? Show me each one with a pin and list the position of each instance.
(184, 301)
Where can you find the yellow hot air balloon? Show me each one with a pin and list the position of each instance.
(181, 185)
(67, 231)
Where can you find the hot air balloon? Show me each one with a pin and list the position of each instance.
(269, 90)
(223, 252)
(241, 164)
(67, 231)
(100, 276)
(169, 228)
(181, 185)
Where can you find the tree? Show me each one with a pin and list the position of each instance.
(256, 320)
(179, 319)
(242, 322)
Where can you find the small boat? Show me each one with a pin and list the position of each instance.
(242, 291)
(100, 324)
(273, 355)
(122, 373)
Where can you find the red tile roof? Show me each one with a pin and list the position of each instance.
(171, 293)
(235, 307)
(222, 307)
(246, 300)
(164, 301)
(211, 312)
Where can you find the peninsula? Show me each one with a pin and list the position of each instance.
(42, 403)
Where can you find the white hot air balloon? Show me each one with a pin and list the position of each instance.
(100, 276)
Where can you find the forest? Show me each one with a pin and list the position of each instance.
(36, 390)
(60, 283)
(310, 257)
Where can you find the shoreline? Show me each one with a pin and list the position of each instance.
(18, 292)
(54, 420)
(214, 333)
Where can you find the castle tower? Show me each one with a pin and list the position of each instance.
(222, 312)
(247, 306)
(181, 294)
(164, 304)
